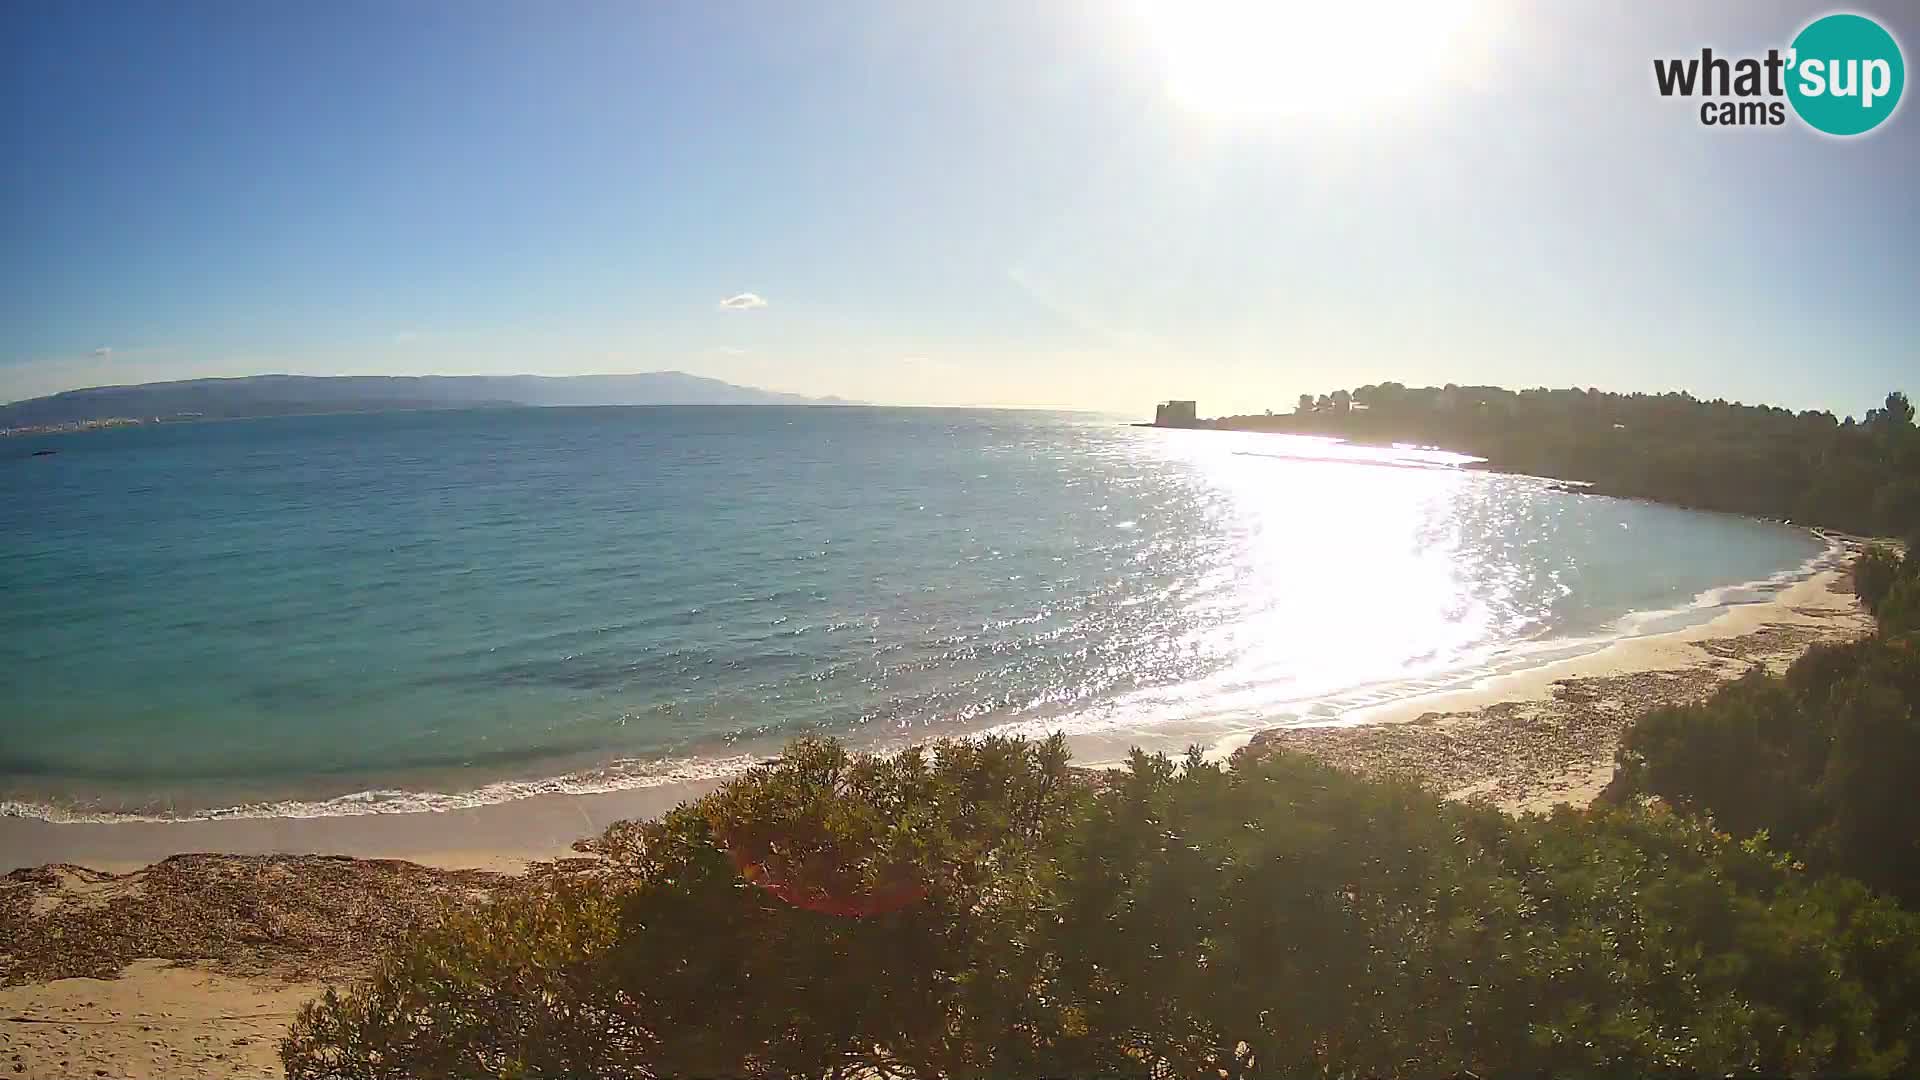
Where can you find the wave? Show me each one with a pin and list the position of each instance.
(1215, 711)
(623, 775)
(1759, 591)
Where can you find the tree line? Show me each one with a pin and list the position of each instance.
(1811, 467)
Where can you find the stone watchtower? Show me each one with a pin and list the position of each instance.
(1175, 414)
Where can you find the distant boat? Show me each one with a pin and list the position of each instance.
(45, 453)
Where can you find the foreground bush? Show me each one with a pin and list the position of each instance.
(1822, 759)
(1874, 575)
(674, 964)
(982, 911)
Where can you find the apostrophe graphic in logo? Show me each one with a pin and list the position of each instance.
(1842, 75)
(1845, 74)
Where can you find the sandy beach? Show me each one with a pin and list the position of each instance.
(1533, 739)
(126, 958)
(195, 966)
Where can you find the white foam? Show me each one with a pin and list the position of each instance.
(623, 775)
(1219, 713)
(1641, 623)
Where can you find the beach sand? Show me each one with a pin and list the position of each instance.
(1532, 739)
(117, 960)
(196, 965)
(502, 836)
(158, 1019)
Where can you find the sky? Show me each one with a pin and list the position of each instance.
(1089, 205)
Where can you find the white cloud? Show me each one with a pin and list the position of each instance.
(729, 350)
(104, 350)
(745, 301)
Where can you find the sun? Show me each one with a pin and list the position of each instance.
(1245, 60)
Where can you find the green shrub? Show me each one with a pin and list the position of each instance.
(1748, 757)
(982, 911)
(1822, 760)
(1874, 575)
(674, 964)
(1899, 610)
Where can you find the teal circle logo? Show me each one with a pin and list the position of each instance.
(1845, 74)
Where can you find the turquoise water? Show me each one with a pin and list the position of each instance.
(343, 613)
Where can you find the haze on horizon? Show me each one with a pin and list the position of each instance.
(1091, 205)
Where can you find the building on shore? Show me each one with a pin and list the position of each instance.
(1175, 414)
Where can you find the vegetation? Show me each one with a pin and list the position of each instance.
(1821, 760)
(980, 909)
(1752, 459)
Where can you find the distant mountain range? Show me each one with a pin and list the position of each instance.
(285, 395)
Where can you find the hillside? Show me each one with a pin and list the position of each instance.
(1810, 467)
(279, 395)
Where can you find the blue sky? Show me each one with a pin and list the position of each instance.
(1091, 205)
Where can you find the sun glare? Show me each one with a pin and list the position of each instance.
(1248, 61)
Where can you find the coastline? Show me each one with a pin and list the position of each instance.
(125, 958)
(1529, 740)
(77, 785)
(1399, 735)
(504, 836)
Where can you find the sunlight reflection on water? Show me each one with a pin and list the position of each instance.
(481, 605)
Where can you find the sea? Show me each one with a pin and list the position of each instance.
(354, 614)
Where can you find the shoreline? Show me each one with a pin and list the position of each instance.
(450, 792)
(503, 837)
(510, 834)
(143, 962)
(1532, 739)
